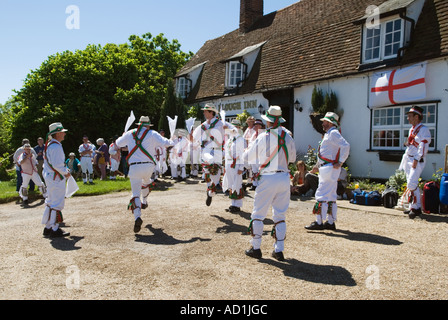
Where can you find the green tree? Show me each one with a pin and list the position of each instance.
(172, 106)
(92, 91)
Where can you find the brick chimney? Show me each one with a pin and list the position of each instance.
(250, 11)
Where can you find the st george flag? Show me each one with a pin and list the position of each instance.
(398, 86)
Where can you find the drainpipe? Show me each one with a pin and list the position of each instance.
(403, 16)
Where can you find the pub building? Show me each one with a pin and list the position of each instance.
(376, 58)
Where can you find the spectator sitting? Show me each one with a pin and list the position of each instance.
(299, 185)
(73, 165)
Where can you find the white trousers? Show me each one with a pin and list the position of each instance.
(273, 190)
(86, 165)
(114, 164)
(23, 192)
(140, 177)
(174, 166)
(412, 176)
(326, 192)
(55, 200)
(233, 182)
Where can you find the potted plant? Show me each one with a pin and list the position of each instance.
(322, 103)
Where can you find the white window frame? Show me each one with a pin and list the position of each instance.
(386, 123)
(235, 71)
(381, 32)
(183, 87)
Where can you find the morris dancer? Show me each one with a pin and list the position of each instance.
(55, 174)
(115, 158)
(332, 153)
(180, 154)
(274, 149)
(234, 166)
(210, 137)
(142, 143)
(86, 152)
(162, 166)
(413, 161)
(28, 164)
(248, 137)
(258, 129)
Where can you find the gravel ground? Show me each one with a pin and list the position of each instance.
(188, 251)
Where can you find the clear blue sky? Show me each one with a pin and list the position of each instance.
(32, 30)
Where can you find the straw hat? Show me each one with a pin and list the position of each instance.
(250, 119)
(331, 117)
(144, 121)
(210, 107)
(56, 127)
(236, 122)
(181, 132)
(274, 113)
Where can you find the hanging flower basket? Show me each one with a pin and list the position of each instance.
(316, 123)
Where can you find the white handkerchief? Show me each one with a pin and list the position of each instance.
(71, 187)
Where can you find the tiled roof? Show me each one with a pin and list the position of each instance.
(308, 41)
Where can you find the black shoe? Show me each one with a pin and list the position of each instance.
(58, 233)
(138, 224)
(414, 213)
(46, 232)
(233, 209)
(144, 205)
(208, 202)
(278, 255)
(254, 253)
(25, 202)
(315, 226)
(329, 226)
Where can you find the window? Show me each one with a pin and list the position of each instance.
(234, 74)
(182, 87)
(383, 41)
(390, 126)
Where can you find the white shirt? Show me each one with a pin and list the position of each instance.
(87, 147)
(56, 157)
(28, 165)
(202, 135)
(267, 145)
(331, 144)
(152, 140)
(18, 153)
(422, 140)
(234, 149)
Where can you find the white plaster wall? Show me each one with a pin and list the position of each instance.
(352, 93)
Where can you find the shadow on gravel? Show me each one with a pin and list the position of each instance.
(361, 236)
(229, 226)
(332, 275)
(66, 244)
(159, 237)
